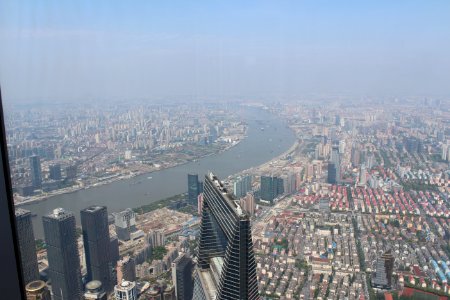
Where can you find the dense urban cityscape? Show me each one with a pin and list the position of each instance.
(356, 208)
(225, 150)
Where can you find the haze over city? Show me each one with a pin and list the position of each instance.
(210, 50)
(253, 150)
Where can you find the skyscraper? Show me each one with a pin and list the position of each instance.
(271, 187)
(193, 189)
(35, 170)
(182, 277)
(335, 161)
(55, 172)
(384, 270)
(125, 222)
(226, 265)
(125, 290)
(126, 269)
(62, 252)
(27, 245)
(94, 222)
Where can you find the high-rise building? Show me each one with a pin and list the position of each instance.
(125, 290)
(71, 172)
(55, 172)
(94, 291)
(271, 187)
(37, 290)
(331, 178)
(125, 222)
(226, 265)
(355, 156)
(27, 246)
(384, 270)
(193, 189)
(362, 175)
(62, 252)
(248, 204)
(36, 172)
(182, 268)
(94, 223)
(336, 162)
(126, 269)
(242, 186)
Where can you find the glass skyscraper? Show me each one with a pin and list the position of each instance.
(27, 245)
(94, 222)
(226, 265)
(193, 189)
(62, 252)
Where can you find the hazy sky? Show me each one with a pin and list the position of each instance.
(80, 50)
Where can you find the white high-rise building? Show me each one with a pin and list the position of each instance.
(126, 290)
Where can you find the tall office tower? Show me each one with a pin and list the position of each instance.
(36, 172)
(94, 223)
(341, 147)
(226, 266)
(27, 245)
(331, 173)
(355, 156)
(242, 186)
(157, 238)
(362, 175)
(71, 172)
(336, 160)
(384, 270)
(62, 252)
(114, 251)
(271, 187)
(125, 290)
(55, 172)
(370, 161)
(200, 203)
(37, 290)
(248, 204)
(126, 269)
(193, 189)
(94, 291)
(182, 268)
(125, 222)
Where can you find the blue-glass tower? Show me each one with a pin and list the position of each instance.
(226, 263)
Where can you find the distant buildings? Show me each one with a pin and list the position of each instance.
(384, 269)
(96, 240)
(248, 204)
(125, 222)
(27, 245)
(182, 268)
(36, 172)
(125, 290)
(242, 186)
(62, 252)
(55, 172)
(126, 269)
(334, 166)
(271, 187)
(226, 265)
(37, 290)
(194, 189)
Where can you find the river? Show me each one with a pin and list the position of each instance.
(260, 145)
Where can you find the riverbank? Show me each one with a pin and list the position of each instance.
(120, 177)
(259, 147)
